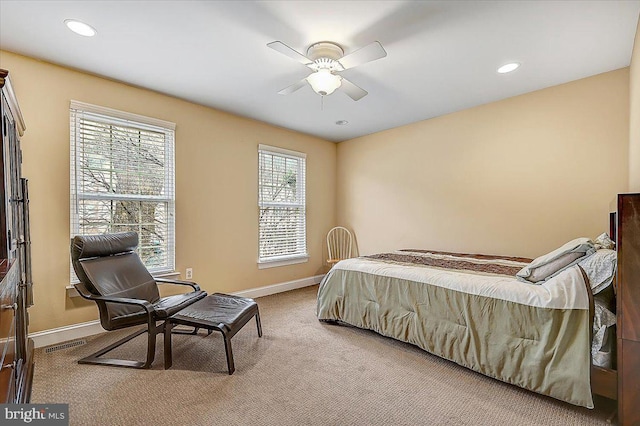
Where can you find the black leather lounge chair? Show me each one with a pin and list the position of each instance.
(112, 275)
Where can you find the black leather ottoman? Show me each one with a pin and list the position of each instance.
(222, 312)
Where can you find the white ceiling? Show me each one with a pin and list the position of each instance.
(442, 55)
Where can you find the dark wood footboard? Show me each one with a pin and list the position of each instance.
(604, 382)
(628, 308)
(623, 382)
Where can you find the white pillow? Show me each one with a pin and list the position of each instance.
(600, 269)
(552, 263)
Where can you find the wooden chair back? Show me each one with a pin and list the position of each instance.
(339, 242)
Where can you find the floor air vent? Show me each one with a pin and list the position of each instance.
(66, 345)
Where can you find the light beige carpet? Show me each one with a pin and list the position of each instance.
(301, 372)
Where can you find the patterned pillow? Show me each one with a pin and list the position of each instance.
(604, 242)
(600, 269)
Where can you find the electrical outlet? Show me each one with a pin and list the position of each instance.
(189, 274)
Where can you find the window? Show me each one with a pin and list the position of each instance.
(281, 199)
(122, 179)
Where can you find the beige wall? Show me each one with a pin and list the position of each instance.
(216, 185)
(634, 114)
(520, 176)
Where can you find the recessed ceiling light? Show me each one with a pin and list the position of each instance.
(80, 28)
(342, 122)
(512, 66)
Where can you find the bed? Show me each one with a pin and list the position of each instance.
(474, 311)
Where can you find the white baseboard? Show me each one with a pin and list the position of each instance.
(279, 288)
(66, 333)
(85, 329)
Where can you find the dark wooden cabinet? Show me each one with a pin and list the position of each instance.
(628, 308)
(16, 349)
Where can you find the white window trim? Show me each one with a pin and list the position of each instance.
(283, 151)
(123, 115)
(286, 259)
(139, 121)
(282, 261)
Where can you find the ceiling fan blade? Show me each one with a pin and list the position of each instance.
(354, 92)
(369, 53)
(295, 86)
(286, 50)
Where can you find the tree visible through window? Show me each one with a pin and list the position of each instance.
(122, 180)
(282, 222)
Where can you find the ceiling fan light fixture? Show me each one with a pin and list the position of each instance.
(512, 66)
(80, 28)
(323, 82)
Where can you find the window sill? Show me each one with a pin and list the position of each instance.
(72, 292)
(265, 264)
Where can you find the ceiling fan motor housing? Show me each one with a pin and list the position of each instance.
(325, 49)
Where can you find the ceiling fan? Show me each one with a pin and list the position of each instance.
(326, 59)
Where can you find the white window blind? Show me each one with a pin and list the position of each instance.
(122, 179)
(281, 200)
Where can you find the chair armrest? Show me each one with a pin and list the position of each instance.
(195, 286)
(82, 290)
